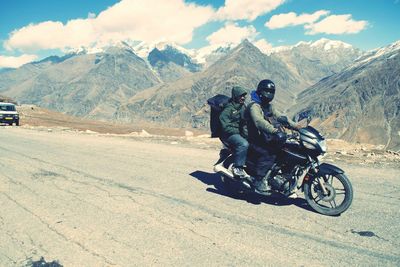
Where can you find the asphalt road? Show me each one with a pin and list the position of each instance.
(88, 200)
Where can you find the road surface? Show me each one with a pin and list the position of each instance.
(97, 200)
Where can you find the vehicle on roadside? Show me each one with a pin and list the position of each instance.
(8, 114)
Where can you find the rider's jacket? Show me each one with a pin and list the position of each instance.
(261, 120)
(232, 117)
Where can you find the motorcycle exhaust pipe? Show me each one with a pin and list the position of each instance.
(219, 168)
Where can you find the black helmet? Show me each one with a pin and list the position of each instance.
(266, 90)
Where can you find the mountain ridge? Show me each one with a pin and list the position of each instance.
(361, 103)
(118, 84)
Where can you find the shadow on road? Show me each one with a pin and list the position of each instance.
(214, 180)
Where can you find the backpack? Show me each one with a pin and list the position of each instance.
(217, 104)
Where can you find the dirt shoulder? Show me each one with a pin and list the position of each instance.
(33, 116)
(36, 118)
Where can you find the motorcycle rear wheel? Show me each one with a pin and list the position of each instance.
(338, 199)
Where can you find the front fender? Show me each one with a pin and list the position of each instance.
(326, 168)
(323, 169)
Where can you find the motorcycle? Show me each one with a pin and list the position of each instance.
(297, 168)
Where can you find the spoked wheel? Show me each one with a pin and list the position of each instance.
(337, 197)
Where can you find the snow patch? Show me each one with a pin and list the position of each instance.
(376, 53)
(281, 49)
(323, 43)
(330, 44)
(302, 43)
(202, 54)
(143, 49)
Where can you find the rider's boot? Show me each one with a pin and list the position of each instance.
(261, 185)
(239, 173)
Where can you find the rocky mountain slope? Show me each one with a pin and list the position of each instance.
(87, 85)
(170, 53)
(169, 60)
(11, 77)
(183, 103)
(163, 83)
(360, 104)
(171, 64)
(7, 99)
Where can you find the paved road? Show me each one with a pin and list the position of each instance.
(88, 200)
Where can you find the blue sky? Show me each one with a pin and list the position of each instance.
(31, 30)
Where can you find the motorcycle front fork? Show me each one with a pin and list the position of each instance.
(322, 185)
(321, 181)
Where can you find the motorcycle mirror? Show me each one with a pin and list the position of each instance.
(304, 122)
(308, 120)
(303, 117)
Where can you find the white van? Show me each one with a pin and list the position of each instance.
(8, 114)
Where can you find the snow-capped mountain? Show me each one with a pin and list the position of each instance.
(376, 53)
(321, 44)
(210, 54)
(168, 79)
(170, 53)
(169, 60)
(143, 49)
(314, 60)
(183, 102)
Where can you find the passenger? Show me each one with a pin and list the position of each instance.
(234, 130)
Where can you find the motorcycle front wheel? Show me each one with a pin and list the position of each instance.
(338, 196)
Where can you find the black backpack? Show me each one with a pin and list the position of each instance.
(217, 104)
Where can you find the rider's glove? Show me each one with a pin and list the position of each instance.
(280, 137)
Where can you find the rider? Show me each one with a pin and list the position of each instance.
(233, 130)
(262, 135)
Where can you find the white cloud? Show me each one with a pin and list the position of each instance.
(292, 19)
(91, 15)
(264, 46)
(337, 24)
(15, 62)
(231, 33)
(172, 20)
(154, 20)
(246, 9)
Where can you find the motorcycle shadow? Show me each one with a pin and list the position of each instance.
(214, 180)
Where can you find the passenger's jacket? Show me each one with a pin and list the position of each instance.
(232, 117)
(260, 120)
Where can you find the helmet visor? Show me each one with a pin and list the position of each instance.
(267, 96)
